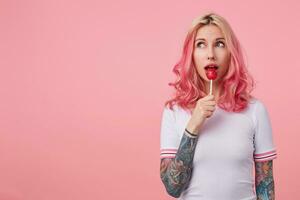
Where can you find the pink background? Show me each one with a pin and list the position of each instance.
(83, 84)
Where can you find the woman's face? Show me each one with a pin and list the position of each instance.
(210, 47)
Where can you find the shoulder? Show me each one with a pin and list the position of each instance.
(252, 111)
(176, 112)
(255, 105)
(260, 112)
(259, 107)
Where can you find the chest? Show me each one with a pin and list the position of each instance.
(223, 137)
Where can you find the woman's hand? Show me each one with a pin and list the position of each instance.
(204, 109)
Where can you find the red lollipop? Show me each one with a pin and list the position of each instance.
(211, 74)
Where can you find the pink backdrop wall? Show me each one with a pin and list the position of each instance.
(83, 84)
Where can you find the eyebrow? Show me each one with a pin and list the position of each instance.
(221, 38)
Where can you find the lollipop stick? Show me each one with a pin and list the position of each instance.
(210, 87)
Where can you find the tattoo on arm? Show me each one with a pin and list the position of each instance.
(264, 180)
(176, 172)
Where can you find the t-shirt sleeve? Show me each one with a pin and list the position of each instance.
(169, 138)
(264, 148)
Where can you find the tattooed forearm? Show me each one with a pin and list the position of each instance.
(176, 172)
(264, 180)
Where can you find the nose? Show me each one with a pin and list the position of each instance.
(210, 54)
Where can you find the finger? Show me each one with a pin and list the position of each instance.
(208, 113)
(210, 108)
(211, 96)
(207, 97)
(210, 103)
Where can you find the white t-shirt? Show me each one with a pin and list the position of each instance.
(227, 147)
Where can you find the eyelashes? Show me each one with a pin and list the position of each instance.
(219, 42)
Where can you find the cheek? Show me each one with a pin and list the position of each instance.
(224, 58)
(225, 62)
(198, 63)
(199, 58)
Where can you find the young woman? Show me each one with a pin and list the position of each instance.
(209, 143)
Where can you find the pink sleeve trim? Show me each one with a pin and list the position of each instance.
(265, 159)
(266, 153)
(168, 150)
(168, 156)
(168, 153)
(269, 155)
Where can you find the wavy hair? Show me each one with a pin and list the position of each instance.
(237, 83)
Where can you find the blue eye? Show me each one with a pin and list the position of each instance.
(199, 43)
(221, 43)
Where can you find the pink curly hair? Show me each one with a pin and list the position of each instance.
(236, 85)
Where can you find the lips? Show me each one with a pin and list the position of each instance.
(211, 71)
(211, 66)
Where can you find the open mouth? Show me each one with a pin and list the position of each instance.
(211, 67)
